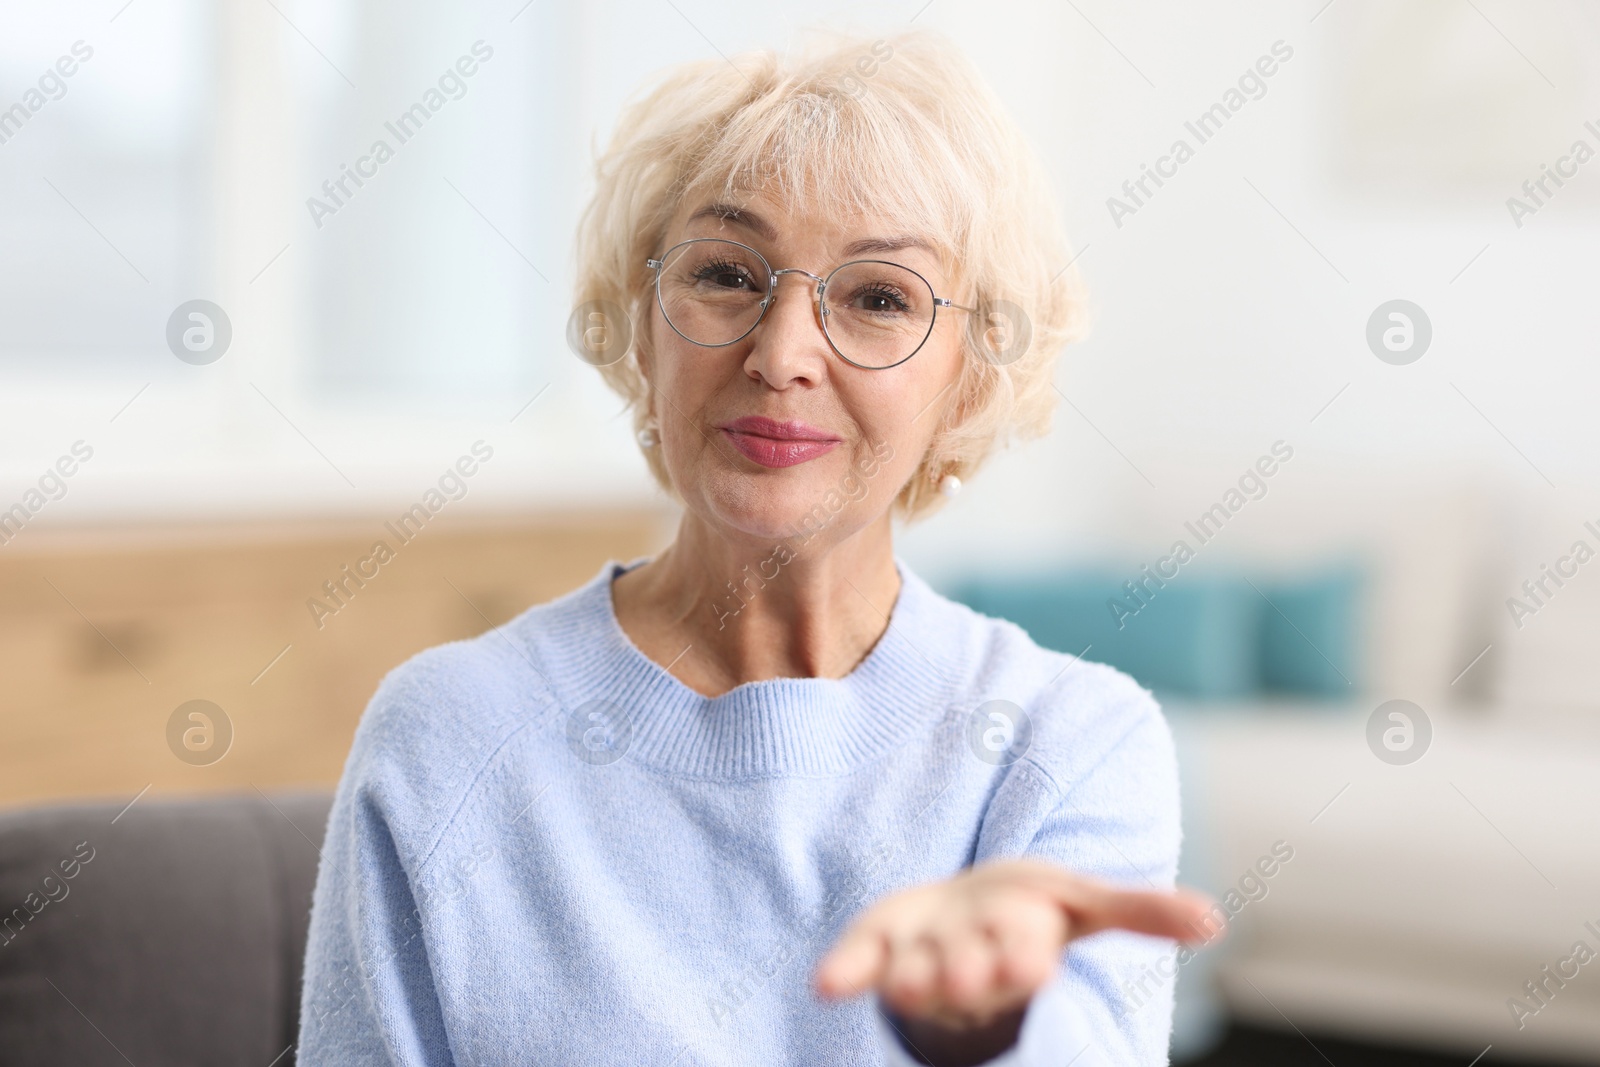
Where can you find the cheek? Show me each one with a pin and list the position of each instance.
(682, 379)
(884, 457)
(904, 411)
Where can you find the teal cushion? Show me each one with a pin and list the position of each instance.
(1196, 637)
(1199, 636)
(1310, 635)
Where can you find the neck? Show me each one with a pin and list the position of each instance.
(719, 611)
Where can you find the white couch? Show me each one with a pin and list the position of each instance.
(1421, 898)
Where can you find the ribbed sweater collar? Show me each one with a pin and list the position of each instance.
(781, 726)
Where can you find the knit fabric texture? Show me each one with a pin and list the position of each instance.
(546, 849)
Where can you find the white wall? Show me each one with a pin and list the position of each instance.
(1390, 141)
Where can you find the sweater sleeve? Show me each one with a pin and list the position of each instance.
(1111, 1004)
(369, 995)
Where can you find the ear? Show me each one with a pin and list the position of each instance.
(644, 356)
(645, 347)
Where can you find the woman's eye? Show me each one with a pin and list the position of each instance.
(880, 302)
(724, 276)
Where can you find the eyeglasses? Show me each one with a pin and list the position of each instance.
(875, 314)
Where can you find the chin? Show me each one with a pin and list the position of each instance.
(773, 505)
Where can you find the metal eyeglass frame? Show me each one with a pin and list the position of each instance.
(822, 288)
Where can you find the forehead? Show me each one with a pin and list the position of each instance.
(767, 224)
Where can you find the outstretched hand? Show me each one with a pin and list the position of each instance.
(962, 953)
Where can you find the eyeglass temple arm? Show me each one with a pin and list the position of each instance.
(946, 302)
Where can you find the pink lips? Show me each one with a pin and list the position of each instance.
(777, 444)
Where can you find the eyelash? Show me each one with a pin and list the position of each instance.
(888, 293)
(712, 270)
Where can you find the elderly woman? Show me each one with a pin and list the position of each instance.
(766, 797)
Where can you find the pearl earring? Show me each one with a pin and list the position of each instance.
(949, 485)
(649, 437)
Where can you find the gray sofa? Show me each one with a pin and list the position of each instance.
(172, 933)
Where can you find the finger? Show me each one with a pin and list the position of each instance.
(1027, 954)
(910, 975)
(967, 963)
(855, 964)
(997, 994)
(1092, 906)
(1176, 915)
(1211, 922)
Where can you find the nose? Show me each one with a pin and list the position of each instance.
(789, 347)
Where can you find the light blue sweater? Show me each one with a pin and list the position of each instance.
(545, 849)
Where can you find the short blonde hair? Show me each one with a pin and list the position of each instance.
(903, 128)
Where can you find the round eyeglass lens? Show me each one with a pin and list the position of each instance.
(712, 291)
(877, 314)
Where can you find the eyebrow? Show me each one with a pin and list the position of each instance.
(757, 225)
